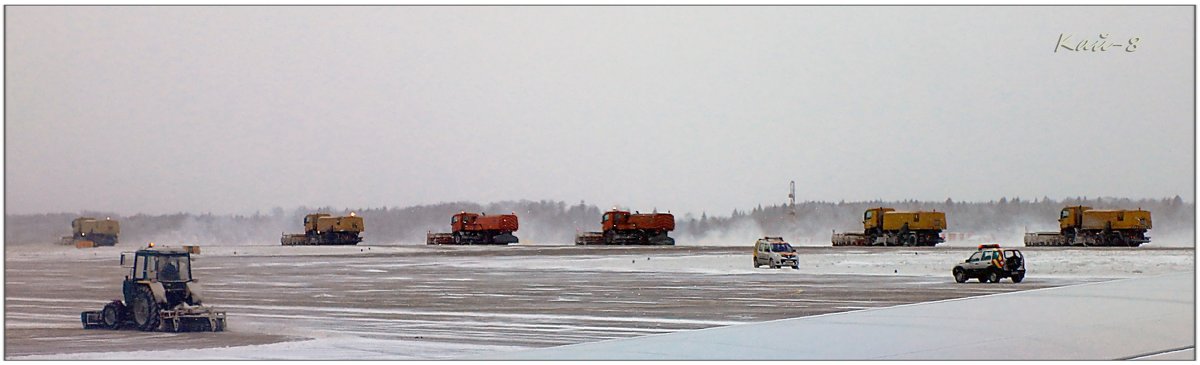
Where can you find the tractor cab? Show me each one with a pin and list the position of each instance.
(159, 264)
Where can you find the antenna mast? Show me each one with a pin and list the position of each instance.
(792, 199)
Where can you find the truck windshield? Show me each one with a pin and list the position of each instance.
(173, 268)
(782, 247)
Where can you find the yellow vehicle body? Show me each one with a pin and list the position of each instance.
(326, 224)
(871, 217)
(351, 223)
(893, 220)
(92, 232)
(1086, 218)
(1083, 226)
(1116, 219)
(340, 224)
(85, 225)
(889, 227)
(322, 222)
(310, 222)
(324, 229)
(916, 221)
(1070, 215)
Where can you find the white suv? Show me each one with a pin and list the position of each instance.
(775, 253)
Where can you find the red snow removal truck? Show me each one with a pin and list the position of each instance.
(622, 228)
(477, 229)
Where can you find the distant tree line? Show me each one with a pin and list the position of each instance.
(556, 222)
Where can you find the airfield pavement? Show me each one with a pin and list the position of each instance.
(445, 302)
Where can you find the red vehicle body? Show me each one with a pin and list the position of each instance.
(624, 221)
(624, 228)
(477, 229)
(472, 222)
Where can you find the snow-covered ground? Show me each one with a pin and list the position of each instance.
(433, 302)
(1044, 262)
(326, 348)
(1078, 263)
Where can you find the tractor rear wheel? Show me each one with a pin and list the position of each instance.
(144, 309)
(113, 315)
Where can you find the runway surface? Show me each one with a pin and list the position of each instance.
(1144, 318)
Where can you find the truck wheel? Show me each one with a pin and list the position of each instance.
(144, 309)
(960, 276)
(1018, 278)
(113, 315)
(994, 277)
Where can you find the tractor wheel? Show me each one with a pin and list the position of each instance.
(960, 276)
(144, 309)
(113, 315)
(994, 277)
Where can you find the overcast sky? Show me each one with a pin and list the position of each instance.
(239, 109)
